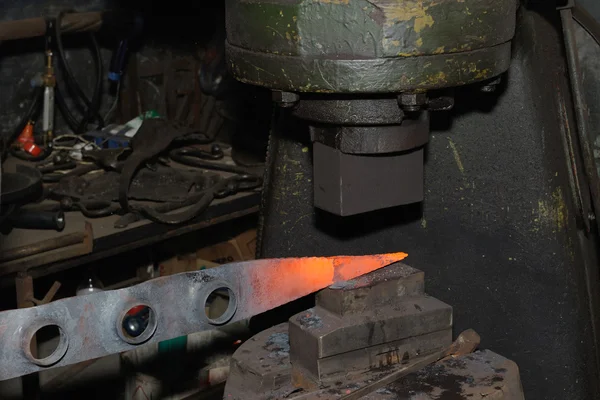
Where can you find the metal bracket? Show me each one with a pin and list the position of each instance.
(48, 297)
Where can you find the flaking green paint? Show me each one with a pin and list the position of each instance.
(322, 34)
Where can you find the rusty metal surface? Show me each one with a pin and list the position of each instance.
(481, 375)
(261, 369)
(261, 365)
(288, 361)
(378, 320)
(90, 325)
(326, 334)
(321, 347)
(465, 344)
(365, 293)
(404, 351)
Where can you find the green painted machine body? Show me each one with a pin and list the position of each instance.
(368, 46)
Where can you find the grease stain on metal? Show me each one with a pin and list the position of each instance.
(278, 345)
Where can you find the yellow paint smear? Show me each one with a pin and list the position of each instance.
(553, 212)
(406, 10)
(459, 163)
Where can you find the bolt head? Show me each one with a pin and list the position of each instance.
(491, 85)
(285, 99)
(488, 88)
(412, 101)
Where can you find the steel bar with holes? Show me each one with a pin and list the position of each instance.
(101, 324)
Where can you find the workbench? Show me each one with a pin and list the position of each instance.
(95, 239)
(86, 240)
(108, 241)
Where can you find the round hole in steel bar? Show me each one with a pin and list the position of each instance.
(49, 347)
(137, 324)
(219, 302)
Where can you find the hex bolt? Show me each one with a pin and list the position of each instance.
(412, 102)
(491, 85)
(285, 99)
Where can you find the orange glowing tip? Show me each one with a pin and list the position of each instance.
(278, 281)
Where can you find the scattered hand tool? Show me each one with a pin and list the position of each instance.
(43, 220)
(197, 202)
(154, 136)
(42, 247)
(199, 159)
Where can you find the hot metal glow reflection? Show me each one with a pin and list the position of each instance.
(89, 324)
(297, 277)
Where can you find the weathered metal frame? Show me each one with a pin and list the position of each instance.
(377, 75)
(368, 46)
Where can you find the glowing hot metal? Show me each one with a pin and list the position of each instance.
(92, 326)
